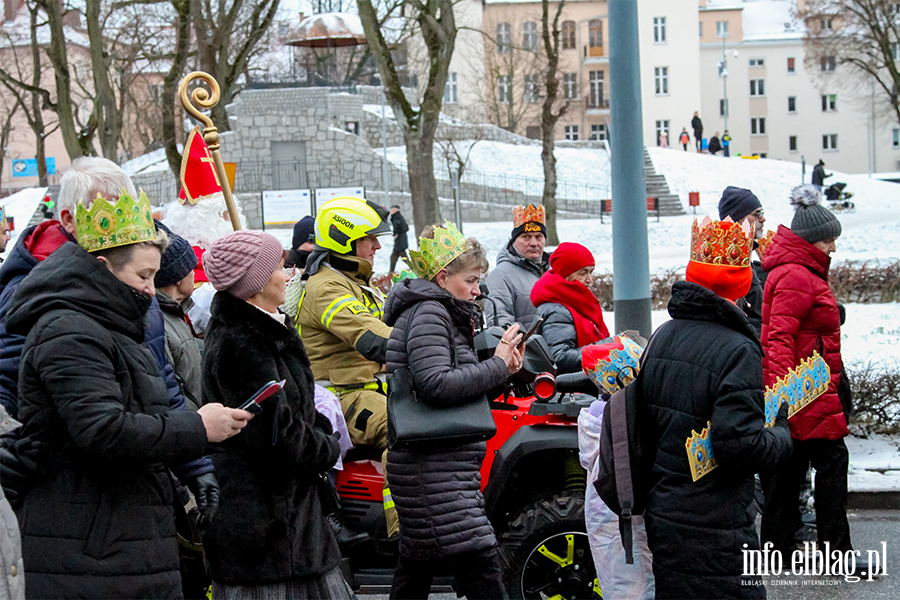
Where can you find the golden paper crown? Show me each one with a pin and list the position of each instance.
(528, 214)
(762, 244)
(700, 454)
(721, 243)
(107, 225)
(435, 254)
(800, 386)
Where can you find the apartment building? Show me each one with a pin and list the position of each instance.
(776, 103)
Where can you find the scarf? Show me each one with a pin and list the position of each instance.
(580, 301)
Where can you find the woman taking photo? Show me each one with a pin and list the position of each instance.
(438, 492)
(98, 520)
(572, 315)
(269, 537)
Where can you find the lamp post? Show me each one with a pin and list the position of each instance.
(723, 71)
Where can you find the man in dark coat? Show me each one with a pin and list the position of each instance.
(742, 205)
(819, 175)
(714, 144)
(703, 369)
(302, 243)
(697, 126)
(401, 241)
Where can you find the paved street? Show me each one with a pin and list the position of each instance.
(868, 529)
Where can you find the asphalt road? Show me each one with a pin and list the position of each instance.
(868, 529)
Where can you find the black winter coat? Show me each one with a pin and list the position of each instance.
(697, 126)
(270, 526)
(560, 334)
(438, 494)
(751, 304)
(714, 145)
(705, 365)
(100, 523)
(400, 230)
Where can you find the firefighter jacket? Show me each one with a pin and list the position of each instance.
(340, 322)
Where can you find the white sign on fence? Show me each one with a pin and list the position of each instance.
(323, 195)
(283, 208)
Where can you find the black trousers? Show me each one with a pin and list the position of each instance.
(478, 576)
(781, 516)
(395, 255)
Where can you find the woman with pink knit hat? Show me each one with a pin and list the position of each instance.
(572, 315)
(270, 537)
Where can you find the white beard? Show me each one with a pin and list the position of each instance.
(202, 223)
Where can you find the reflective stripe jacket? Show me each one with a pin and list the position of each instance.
(339, 321)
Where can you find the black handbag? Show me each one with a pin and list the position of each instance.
(413, 424)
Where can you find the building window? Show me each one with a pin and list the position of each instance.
(825, 24)
(595, 37)
(723, 107)
(828, 63)
(596, 83)
(572, 133)
(529, 36)
(829, 102)
(896, 137)
(661, 78)
(570, 86)
(532, 89)
(758, 126)
(659, 30)
(721, 29)
(792, 104)
(791, 68)
(503, 90)
(662, 127)
(568, 35)
(757, 87)
(503, 37)
(598, 131)
(156, 91)
(701, 28)
(829, 141)
(792, 143)
(450, 89)
(895, 50)
(757, 62)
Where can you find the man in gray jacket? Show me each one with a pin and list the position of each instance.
(519, 265)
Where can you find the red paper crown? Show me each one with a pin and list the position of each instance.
(762, 244)
(198, 173)
(528, 214)
(721, 243)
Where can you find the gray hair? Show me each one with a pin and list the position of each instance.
(88, 175)
(120, 256)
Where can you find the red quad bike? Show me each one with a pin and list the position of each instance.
(532, 482)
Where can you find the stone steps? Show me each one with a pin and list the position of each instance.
(658, 187)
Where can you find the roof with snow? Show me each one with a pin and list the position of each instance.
(765, 20)
(329, 30)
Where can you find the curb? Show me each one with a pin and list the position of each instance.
(873, 500)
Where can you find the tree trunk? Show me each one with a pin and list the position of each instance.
(550, 34)
(171, 121)
(548, 160)
(422, 185)
(105, 106)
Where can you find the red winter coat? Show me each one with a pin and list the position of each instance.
(800, 315)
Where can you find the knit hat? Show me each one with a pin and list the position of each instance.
(242, 263)
(570, 257)
(737, 203)
(177, 261)
(528, 219)
(303, 230)
(812, 221)
(613, 365)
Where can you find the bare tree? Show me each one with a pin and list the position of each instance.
(549, 118)
(864, 36)
(7, 114)
(510, 92)
(455, 148)
(436, 24)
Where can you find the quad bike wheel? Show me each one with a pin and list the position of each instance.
(547, 553)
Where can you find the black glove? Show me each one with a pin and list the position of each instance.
(18, 470)
(781, 419)
(206, 491)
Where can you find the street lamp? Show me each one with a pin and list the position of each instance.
(723, 73)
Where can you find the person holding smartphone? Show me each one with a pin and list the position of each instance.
(270, 537)
(572, 315)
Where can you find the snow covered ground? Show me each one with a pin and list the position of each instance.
(22, 206)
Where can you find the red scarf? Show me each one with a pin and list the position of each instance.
(580, 301)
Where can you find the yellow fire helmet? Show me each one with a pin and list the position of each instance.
(342, 221)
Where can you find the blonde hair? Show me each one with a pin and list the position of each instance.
(120, 256)
(473, 258)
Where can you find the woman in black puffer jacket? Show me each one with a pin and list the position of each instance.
(438, 493)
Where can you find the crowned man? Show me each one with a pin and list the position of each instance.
(200, 216)
(519, 265)
(703, 370)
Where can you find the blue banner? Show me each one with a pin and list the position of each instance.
(27, 167)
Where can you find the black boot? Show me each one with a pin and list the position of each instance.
(346, 537)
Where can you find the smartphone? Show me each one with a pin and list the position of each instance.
(531, 332)
(253, 404)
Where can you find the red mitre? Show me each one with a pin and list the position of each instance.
(199, 272)
(198, 173)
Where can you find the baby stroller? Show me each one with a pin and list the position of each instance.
(838, 199)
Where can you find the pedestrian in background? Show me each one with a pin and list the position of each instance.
(697, 126)
(302, 243)
(714, 144)
(726, 144)
(401, 241)
(685, 138)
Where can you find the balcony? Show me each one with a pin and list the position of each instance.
(594, 54)
(596, 106)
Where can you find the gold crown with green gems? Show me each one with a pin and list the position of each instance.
(106, 225)
(435, 254)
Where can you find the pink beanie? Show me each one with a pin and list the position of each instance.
(242, 263)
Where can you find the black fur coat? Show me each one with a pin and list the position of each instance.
(270, 526)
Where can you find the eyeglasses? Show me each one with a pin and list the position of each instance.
(758, 213)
